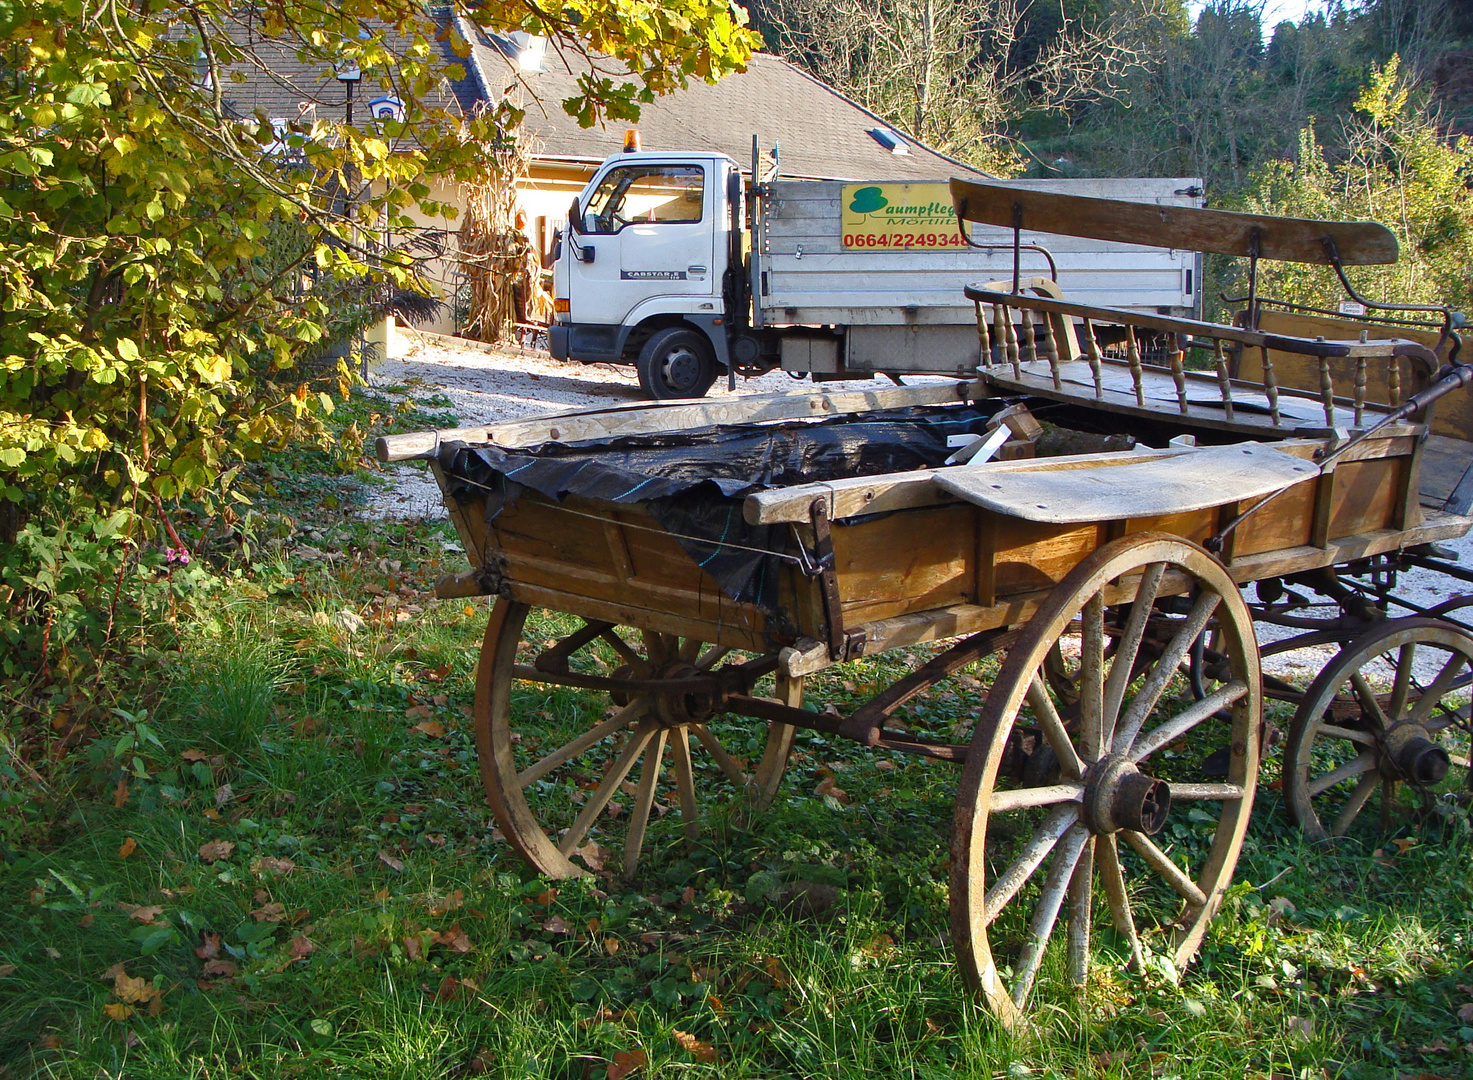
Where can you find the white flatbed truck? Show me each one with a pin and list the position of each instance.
(673, 262)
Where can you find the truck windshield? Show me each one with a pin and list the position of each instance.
(647, 193)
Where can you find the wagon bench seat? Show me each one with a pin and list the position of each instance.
(1092, 487)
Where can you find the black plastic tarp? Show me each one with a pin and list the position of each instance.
(693, 481)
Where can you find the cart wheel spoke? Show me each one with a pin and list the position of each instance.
(1164, 669)
(1055, 885)
(685, 783)
(1365, 763)
(1129, 645)
(713, 656)
(1113, 880)
(1357, 801)
(644, 800)
(1081, 896)
(552, 775)
(605, 790)
(733, 771)
(1452, 676)
(1053, 729)
(620, 720)
(1047, 795)
(1367, 717)
(1401, 686)
(637, 663)
(1169, 872)
(1370, 702)
(1091, 677)
(1063, 826)
(1030, 859)
(1184, 721)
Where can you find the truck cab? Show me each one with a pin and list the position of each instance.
(641, 268)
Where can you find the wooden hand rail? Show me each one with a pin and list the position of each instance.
(1193, 327)
(1059, 317)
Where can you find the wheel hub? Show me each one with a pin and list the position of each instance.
(1117, 795)
(674, 708)
(1409, 754)
(682, 368)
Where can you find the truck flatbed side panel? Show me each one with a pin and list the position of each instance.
(811, 278)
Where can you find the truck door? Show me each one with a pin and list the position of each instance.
(652, 227)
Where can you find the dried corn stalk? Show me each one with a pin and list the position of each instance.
(497, 260)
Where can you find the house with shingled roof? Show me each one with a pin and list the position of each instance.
(817, 132)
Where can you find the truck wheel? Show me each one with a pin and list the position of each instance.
(676, 363)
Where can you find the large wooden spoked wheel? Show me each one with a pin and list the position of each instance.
(575, 782)
(1126, 803)
(1382, 716)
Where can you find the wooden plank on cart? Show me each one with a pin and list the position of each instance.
(1221, 232)
(1118, 487)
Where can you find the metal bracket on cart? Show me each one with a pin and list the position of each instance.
(843, 644)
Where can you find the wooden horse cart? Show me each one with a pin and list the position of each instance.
(702, 561)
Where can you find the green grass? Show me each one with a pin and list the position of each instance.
(332, 898)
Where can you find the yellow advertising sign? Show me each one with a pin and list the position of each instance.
(899, 216)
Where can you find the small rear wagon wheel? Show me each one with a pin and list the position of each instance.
(1378, 719)
(591, 786)
(676, 363)
(1023, 854)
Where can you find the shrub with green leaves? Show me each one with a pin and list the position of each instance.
(165, 264)
(1399, 168)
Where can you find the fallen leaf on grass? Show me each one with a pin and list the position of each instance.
(592, 854)
(1465, 1013)
(389, 861)
(1436, 1046)
(625, 1062)
(145, 915)
(447, 904)
(1301, 1026)
(414, 947)
(273, 864)
(701, 1051)
(130, 989)
(455, 939)
(116, 1010)
(879, 947)
(556, 924)
(545, 898)
(1403, 844)
(209, 947)
(6, 970)
(826, 786)
(120, 794)
(220, 969)
(611, 945)
(272, 913)
(223, 794)
(195, 755)
(55, 954)
(214, 850)
(302, 948)
(127, 847)
(433, 728)
(418, 712)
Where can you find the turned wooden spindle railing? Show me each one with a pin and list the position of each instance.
(1043, 337)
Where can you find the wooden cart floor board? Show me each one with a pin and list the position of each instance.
(1251, 412)
(1066, 491)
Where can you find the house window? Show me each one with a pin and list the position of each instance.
(631, 194)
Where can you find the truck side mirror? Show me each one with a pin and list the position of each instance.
(575, 217)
